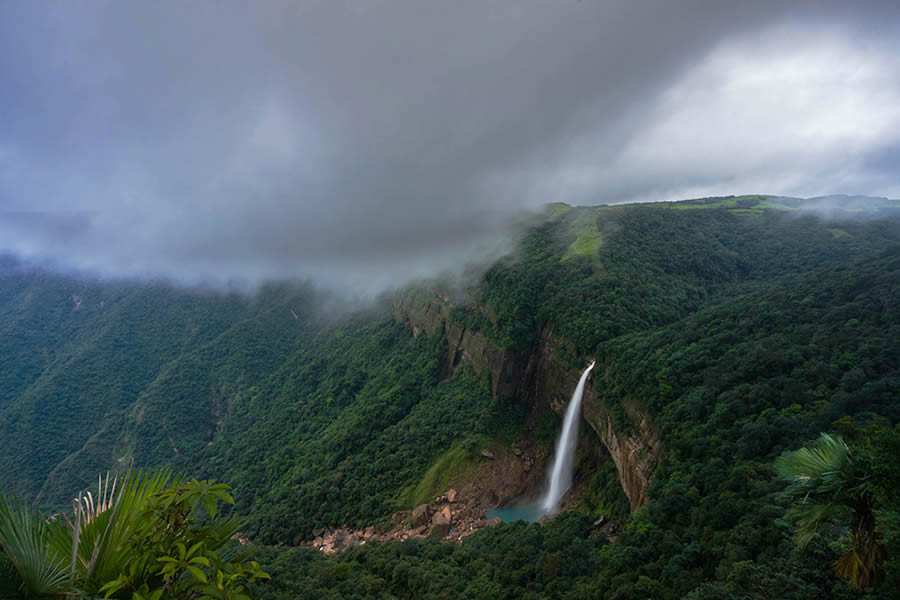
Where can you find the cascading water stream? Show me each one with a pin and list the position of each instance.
(563, 461)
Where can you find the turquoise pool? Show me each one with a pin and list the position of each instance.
(530, 513)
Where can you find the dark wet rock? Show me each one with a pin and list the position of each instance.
(439, 530)
(419, 515)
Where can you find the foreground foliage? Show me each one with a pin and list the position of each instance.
(142, 538)
(24, 538)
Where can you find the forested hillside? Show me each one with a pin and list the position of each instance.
(735, 328)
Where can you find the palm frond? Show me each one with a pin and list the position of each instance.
(828, 453)
(823, 468)
(23, 537)
(101, 537)
(810, 516)
(850, 566)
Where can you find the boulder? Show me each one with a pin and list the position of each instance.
(487, 454)
(419, 515)
(446, 513)
(451, 496)
(440, 519)
(342, 540)
(488, 498)
(439, 530)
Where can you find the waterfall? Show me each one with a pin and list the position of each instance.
(561, 475)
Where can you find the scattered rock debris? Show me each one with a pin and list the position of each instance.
(448, 517)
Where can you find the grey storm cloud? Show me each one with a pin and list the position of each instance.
(366, 143)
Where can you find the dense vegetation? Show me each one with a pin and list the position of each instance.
(570, 558)
(656, 265)
(145, 536)
(741, 329)
(336, 434)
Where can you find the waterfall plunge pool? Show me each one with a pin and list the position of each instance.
(530, 513)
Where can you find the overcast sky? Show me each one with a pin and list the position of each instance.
(364, 143)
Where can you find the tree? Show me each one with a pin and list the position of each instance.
(827, 485)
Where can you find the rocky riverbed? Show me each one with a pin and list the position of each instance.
(449, 517)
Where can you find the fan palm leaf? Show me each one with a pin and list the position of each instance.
(820, 480)
(41, 569)
(826, 487)
(823, 467)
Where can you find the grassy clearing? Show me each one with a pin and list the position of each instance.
(588, 238)
(711, 203)
(555, 209)
(688, 206)
(587, 243)
(839, 233)
(746, 211)
(456, 462)
(771, 205)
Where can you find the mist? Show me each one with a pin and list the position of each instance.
(366, 144)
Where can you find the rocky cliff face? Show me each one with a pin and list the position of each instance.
(430, 312)
(540, 380)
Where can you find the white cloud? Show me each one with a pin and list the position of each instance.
(785, 112)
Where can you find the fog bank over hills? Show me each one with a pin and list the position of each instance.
(354, 284)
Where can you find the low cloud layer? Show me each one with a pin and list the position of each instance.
(366, 143)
